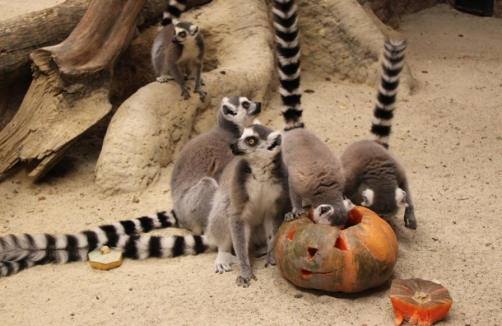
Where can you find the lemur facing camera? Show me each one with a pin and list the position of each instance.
(178, 50)
(250, 204)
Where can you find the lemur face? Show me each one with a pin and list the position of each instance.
(257, 142)
(239, 109)
(184, 31)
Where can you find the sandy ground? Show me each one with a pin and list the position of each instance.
(448, 134)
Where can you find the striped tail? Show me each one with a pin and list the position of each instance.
(173, 12)
(392, 65)
(46, 249)
(95, 238)
(288, 55)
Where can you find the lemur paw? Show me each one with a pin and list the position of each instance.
(270, 259)
(294, 215)
(410, 222)
(186, 94)
(201, 93)
(223, 261)
(244, 279)
(163, 79)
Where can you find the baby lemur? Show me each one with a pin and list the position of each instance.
(374, 178)
(177, 49)
(315, 173)
(251, 202)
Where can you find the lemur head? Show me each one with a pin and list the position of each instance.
(382, 202)
(239, 110)
(184, 31)
(258, 143)
(335, 215)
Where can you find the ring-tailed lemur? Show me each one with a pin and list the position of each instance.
(251, 202)
(248, 208)
(193, 183)
(201, 162)
(374, 178)
(179, 46)
(315, 173)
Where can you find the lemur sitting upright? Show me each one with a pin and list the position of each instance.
(251, 202)
(315, 173)
(373, 177)
(177, 47)
(193, 183)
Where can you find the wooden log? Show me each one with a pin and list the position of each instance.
(21, 35)
(70, 88)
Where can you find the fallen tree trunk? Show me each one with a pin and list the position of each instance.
(21, 35)
(70, 88)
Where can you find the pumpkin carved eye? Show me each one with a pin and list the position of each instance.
(340, 244)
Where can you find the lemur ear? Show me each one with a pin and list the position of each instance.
(368, 195)
(401, 198)
(227, 110)
(275, 138)
(348, 204)
(194, 29)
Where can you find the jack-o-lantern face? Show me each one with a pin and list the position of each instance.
(323, 257)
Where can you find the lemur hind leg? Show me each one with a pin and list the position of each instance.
(193, 209)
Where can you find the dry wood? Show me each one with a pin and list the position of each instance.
(70, 88)
(21, 35)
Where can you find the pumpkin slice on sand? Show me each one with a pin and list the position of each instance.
(419, 301)
(105, 258)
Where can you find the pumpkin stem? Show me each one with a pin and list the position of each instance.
(421, 297)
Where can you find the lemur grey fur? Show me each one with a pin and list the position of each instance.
(201, 162)
(177, 47)
(251, 202)
(193, 183)
(315, 173)
(374, 178)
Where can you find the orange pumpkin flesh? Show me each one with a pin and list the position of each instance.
(419, 301)
(323, 257)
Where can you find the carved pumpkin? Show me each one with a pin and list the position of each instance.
(324, 257)
(419, 301)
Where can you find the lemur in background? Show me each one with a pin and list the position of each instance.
(177, 47)
(193, 183)
(251, 202)
(373, 177)
(315, 173)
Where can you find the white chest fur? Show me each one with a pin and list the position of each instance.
(262, 197)
(190, 50)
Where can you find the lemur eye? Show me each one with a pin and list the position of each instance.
(251, 141)
(183, 34)
(245, 105)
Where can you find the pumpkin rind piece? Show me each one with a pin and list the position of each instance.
(323, 257)
(419, 301)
